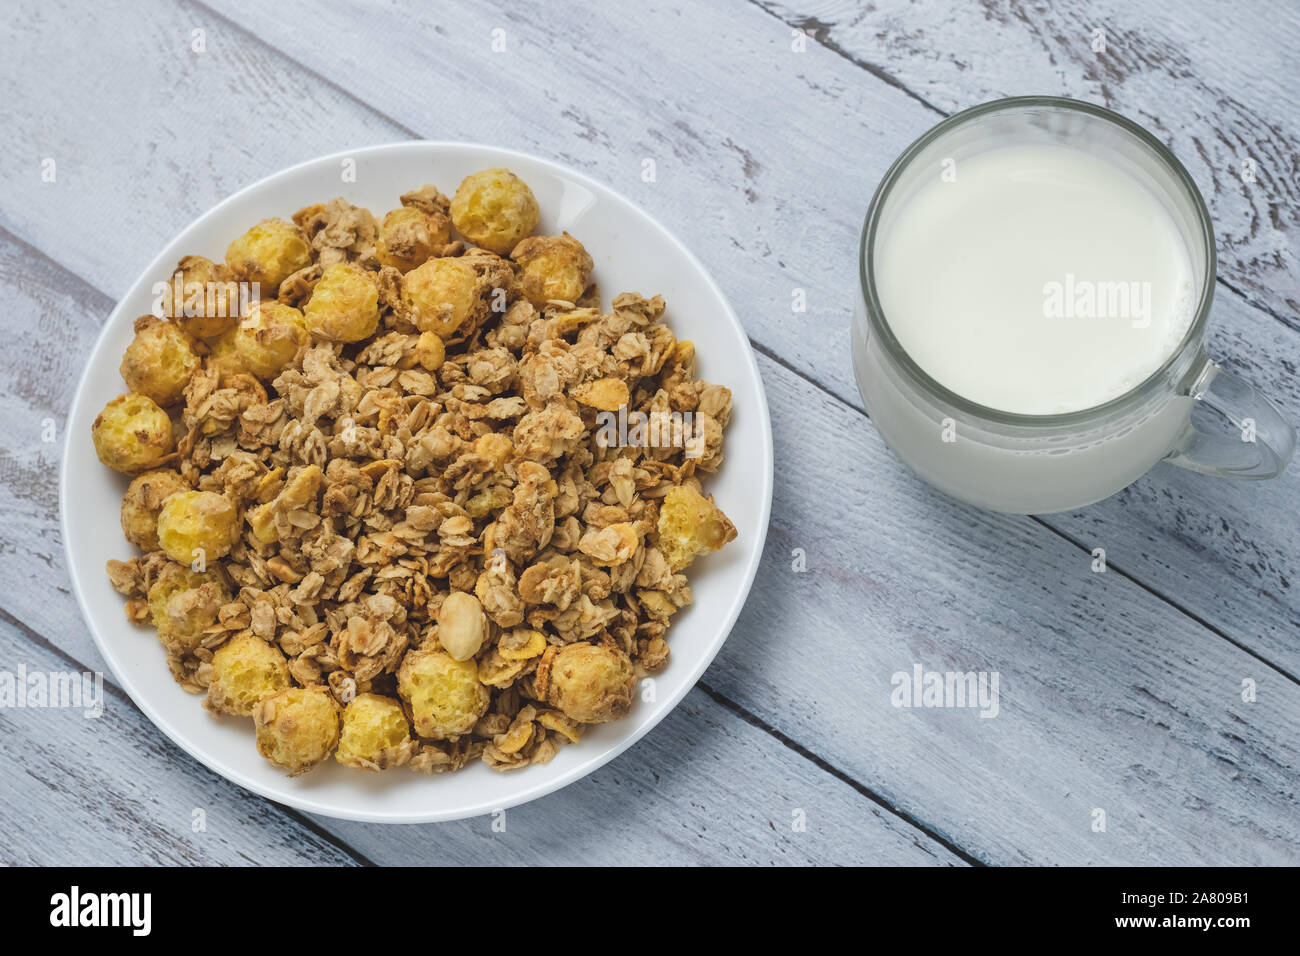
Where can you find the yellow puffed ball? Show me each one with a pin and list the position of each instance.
(445, 694)
(268, 254)
(590, 683)
(143, 501)
(409, 237)
(297, 727)
(183, 603)
(194, 525)
(442, 295)
(494, 209)
(202, 298)
(265, 341)
(159, 361)
(690, 524)
(375, 734)
(132, 434)
(344, 305)
(553, 267)
(245, 669)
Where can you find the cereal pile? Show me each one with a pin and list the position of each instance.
(390, 504)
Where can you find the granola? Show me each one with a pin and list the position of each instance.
(420, 501)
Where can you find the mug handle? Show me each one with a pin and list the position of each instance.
(1249, 439)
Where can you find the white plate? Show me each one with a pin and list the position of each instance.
(632, 253)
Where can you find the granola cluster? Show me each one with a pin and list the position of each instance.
(420, 500)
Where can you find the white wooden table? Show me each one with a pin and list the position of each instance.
(770, 125)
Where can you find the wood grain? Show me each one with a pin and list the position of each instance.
(703, 787)
(986, 593)
(112, 790)
(1219, 93)
(1115, 695)
(790, 223)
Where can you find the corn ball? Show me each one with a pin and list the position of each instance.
(590, 683)
(183, 603)
(494, 209)
(159, 361)
(268, 254)
(375, 734)
(297, 727)
(410, 236)
(197, 524)
(442, 295)
(691, 524)
(344, 305)
(132, 434)
(244, 670)
(143, 500)
(445, 695)
(202, 298)
(266, 340)
(553, 267)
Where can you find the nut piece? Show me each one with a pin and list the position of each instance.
(590, 683)
(375, 734)
(132, 434)
(445, 694)
(344, 305)
(202, 298)
(143, 500)
(553, 268)
(264, 342)
(690, 524)
(462, 625)
(297, 727)
(268, 254)
(197, 525)
(494, 209)
(159, 361)
(244, 670)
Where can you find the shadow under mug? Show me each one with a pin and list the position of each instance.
(1033, 464)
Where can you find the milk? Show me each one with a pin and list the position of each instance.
(1034, 278)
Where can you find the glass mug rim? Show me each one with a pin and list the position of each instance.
(1084, 416)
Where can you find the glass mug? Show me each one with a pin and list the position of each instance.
(1033, 464)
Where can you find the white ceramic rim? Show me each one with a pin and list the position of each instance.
(579, 770)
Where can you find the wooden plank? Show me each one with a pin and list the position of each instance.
(678, 798)
(1113, 700)
(1218, 89)
(804, 135)
(121, 793)
(702, 787)
(1110, 700)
